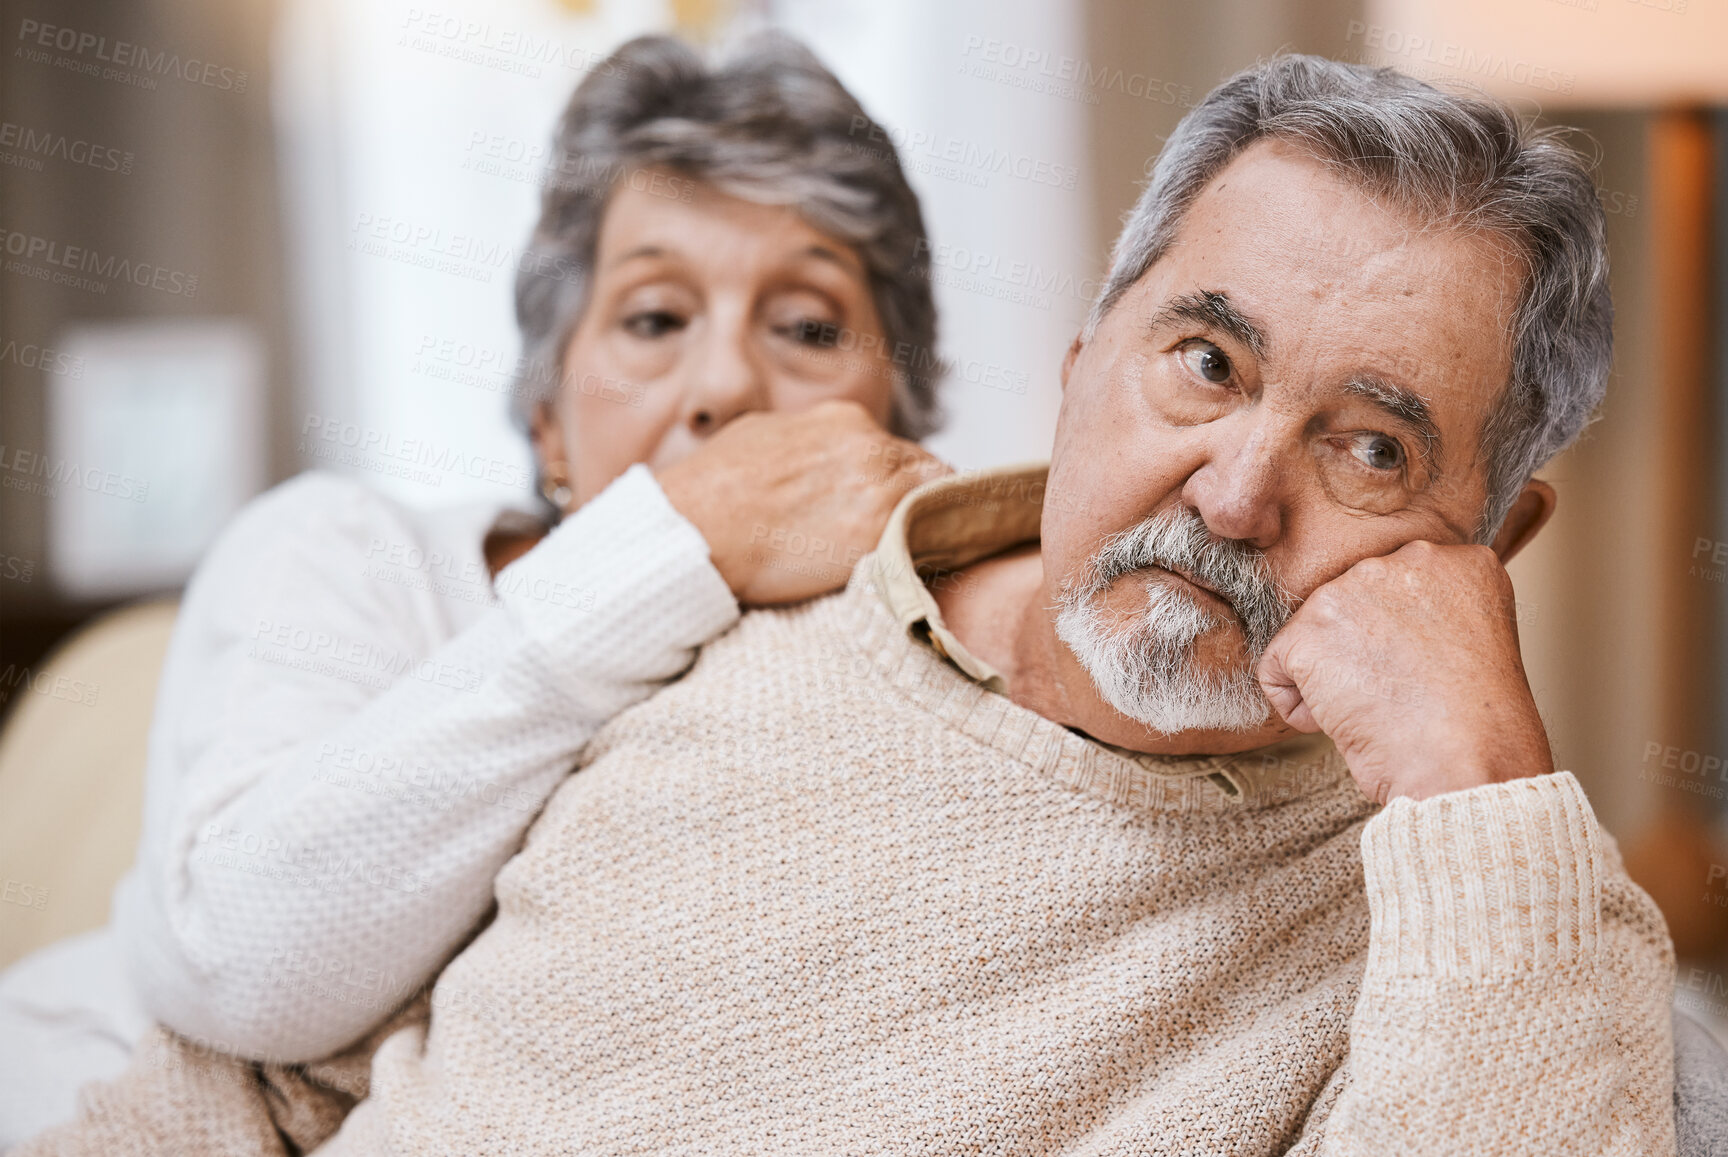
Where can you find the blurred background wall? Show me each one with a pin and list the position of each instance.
(231, 228)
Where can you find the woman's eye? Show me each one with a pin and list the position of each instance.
(807, 331)
(1208, 361)
(651, 323)
(1379, 452)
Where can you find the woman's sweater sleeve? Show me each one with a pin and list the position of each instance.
(334, 780)
(1516, 995)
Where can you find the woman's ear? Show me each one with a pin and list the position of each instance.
(546, 435)
(1530, 513)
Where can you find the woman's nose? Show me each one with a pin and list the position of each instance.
(725, 377)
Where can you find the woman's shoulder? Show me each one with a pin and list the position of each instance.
(333, 514)
(326, 506)
(320, 535)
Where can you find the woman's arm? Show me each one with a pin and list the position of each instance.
(334, 781)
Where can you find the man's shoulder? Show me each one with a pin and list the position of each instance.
(809, 633)
(840, 658)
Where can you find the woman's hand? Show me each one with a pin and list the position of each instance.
(790, 502)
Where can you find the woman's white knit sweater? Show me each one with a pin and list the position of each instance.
(355, 728)
(827, 894)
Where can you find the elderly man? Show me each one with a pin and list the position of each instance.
(1192, 800)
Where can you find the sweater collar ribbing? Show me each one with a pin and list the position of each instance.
(950, 523)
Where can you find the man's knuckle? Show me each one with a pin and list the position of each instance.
(1324, 604)
(1373, 567)
(1484, 558)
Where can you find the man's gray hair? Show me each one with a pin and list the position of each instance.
(772, 126)
(1460, 159)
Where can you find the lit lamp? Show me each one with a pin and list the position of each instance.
(1670, 58)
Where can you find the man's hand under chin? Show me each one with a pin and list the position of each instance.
(1410, 663)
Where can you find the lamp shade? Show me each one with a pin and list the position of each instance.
(1597, 53)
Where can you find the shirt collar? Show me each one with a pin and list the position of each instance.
(952, 522)
(943, 527)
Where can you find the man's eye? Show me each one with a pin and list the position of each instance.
(651, 323)
(1379, 452)
(807, 331)
(1208, 361)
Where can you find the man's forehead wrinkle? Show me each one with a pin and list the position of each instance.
(1214, 308)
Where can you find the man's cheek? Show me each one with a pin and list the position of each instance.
(1301, 579)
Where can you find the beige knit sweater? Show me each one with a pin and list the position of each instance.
(827, 894)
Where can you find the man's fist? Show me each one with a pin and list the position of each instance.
(789, 502)
(1410, 663)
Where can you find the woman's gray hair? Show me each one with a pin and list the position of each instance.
(772, 126)
(1460, 159)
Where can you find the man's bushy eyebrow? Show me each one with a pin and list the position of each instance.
(1214, 309)
(1210, 307)
(1402, 403)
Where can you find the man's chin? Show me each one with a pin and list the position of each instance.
(1213, 691)
(1219, 653)
(1216, 710)
(1169, 663)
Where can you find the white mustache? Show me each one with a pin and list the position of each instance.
(1145, 667)
(1178, 540)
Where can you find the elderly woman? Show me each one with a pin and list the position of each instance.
(364, 705)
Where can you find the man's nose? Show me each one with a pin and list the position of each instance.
(725, 377)
(1236, 489)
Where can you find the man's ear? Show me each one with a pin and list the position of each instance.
(1530, 513)
(1074, 348)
